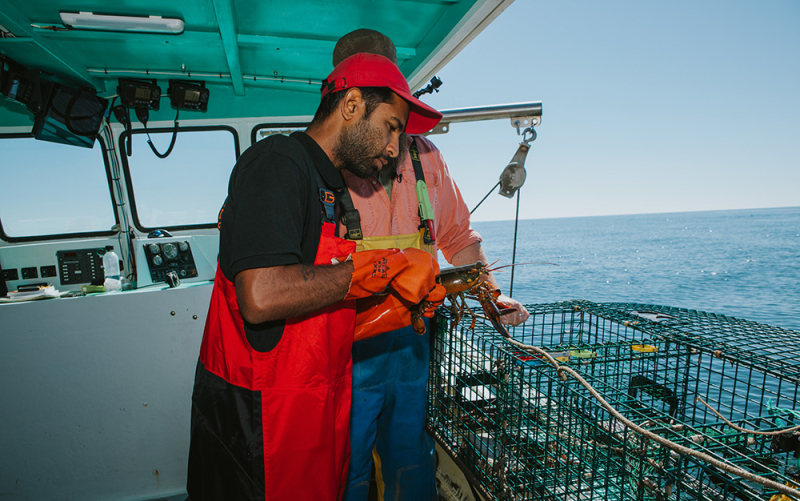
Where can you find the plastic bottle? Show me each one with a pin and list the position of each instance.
(111, 271)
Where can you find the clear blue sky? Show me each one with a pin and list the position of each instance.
(647, 107)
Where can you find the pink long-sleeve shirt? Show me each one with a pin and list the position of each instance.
(400, 215)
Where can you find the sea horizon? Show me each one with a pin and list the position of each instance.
(738, 262)
(639, 214)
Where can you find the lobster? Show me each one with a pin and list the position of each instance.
(465, 281)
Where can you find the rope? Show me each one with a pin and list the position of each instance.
(771, 484)
(744, 430)
(514, 253)
(485, 197)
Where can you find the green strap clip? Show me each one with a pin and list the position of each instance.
(425, 207)
(425, 211)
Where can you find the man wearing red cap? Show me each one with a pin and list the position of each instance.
(271, 401)
(390, 370)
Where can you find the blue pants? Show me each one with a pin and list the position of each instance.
(390, 398)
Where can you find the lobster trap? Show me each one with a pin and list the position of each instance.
(524, 430)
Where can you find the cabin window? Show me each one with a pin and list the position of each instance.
(188, 187)
(263, 131)
(53, 189)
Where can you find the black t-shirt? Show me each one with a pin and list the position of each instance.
(272, 216)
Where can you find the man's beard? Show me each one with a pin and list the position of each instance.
(392, 167)
(358, 148)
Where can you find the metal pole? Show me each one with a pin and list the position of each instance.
(530, 109)
(514, 252)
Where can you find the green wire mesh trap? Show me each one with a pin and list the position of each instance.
(522, 432)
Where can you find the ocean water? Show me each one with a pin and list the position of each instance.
(742, 263)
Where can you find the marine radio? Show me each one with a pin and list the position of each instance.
(139, 94)
(186, 95)
(23, 85)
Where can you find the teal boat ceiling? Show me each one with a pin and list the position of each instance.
(257, 57)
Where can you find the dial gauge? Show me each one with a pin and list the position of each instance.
(170, 251)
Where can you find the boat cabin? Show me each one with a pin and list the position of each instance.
(119, 126)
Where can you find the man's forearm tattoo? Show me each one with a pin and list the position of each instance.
(308, 273)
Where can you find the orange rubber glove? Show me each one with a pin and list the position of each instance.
(373, 271)
(379, 314)
(418, 280)
(410, 272)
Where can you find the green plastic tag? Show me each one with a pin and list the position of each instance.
(425, 208)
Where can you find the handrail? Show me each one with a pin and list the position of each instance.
(517, 110)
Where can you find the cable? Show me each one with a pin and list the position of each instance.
(120, 202)
(484, 198)
(514, 252)
(51, 28)
(122, 114)
(171, 144)
(68, 118)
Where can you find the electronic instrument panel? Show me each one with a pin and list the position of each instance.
(169, 256)
(79, 266)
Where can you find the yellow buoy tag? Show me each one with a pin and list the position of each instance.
(644, 348)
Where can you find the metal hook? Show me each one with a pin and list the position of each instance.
(529, 135)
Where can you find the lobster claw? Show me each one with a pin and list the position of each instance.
(493, 314)
(426, 309)
(416, 317)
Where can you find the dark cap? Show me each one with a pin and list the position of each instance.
(373, 70)
(364, 40)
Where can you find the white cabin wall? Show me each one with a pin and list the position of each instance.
(97, 393)
(97, 389)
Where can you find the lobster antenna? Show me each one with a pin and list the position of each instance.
(519, 264)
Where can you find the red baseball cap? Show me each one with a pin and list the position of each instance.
(373, 70)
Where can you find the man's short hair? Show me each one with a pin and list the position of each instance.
(364, 40)
(372, 96)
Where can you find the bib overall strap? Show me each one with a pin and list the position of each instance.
(425, 207)
(327, 199)
(350, 217)
(328, 204)
(349, 213)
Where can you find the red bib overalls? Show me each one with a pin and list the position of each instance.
(304, 384)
